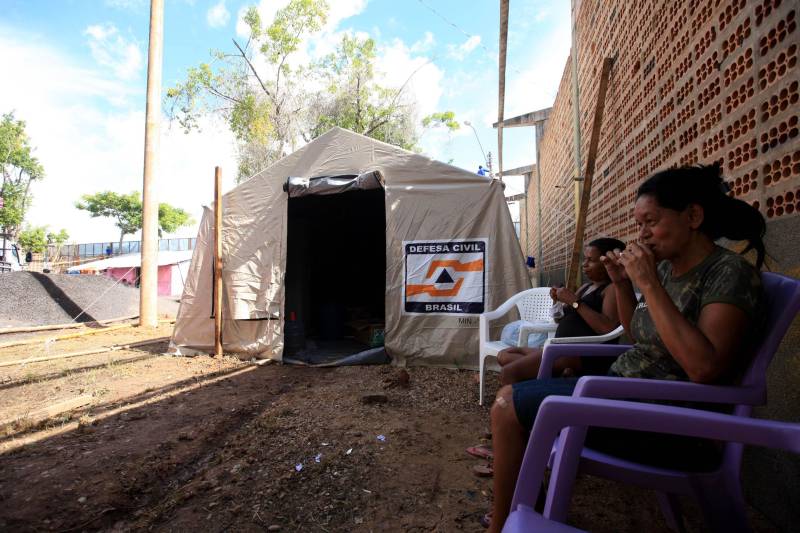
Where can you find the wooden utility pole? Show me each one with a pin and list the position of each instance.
(148, 286)
(594, 139)
(217, 261)
(501, 87)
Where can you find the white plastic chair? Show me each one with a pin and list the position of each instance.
(537, 304)
(533, 305)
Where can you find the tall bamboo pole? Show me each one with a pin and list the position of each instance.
(217, 261)
(594, 141)
(578, 179)
(540, 250)
(148, 286)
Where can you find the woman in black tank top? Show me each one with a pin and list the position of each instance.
(591, 311)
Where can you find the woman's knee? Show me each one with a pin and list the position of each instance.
(503, 406)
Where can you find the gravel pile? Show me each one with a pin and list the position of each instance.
(35, 299)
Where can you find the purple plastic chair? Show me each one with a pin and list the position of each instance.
(559, 412)
(718, 492)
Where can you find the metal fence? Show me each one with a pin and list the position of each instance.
(96, 249)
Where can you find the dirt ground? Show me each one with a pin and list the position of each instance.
(177, 444)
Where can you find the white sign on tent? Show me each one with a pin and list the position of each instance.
(445, 277)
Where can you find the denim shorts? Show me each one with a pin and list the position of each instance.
(529, 395)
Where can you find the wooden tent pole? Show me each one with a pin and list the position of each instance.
(580, 223)
(217, 261)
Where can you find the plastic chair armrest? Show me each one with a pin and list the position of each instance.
(535, 327)
(504, 308)
(552, 352)
(594, 339)
(656, 389)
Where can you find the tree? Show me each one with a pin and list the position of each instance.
(171, 218)
(353, 99)
(262, 107)
(33, 239)
(126, 210)
(19, 169)
(270, 103)
(12, 214)
(445, 118)
(57, 240)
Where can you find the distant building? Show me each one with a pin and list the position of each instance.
(172, 269)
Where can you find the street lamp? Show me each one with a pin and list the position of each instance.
(485, 161)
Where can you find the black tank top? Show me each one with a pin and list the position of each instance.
(573, 324)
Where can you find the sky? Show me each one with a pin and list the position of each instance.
(75, 72)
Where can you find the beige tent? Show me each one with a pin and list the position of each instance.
(349, 230)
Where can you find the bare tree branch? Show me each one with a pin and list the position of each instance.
(374, 127)
(397, 95)
(252, 68)
(217, 92)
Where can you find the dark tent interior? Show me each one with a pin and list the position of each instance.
(335, 275)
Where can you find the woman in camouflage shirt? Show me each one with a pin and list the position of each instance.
(699, 312)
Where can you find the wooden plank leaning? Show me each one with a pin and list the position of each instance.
(580, 223)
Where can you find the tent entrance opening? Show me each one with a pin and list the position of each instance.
(335, 275)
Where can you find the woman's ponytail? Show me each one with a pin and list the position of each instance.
(677, 188)
(738, 221)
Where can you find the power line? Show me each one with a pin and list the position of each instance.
(461, 30)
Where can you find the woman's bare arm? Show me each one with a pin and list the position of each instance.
(705, 351)
(623, 289)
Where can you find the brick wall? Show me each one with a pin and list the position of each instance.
(694, 81)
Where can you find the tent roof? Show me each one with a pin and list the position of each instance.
(340, 151)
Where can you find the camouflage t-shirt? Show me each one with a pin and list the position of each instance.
(724, 277)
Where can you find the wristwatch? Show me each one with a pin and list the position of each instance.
(575, 304)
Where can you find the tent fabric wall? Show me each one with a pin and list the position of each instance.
(177, 277)
(424, 200)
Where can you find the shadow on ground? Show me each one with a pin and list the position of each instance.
(247, 447)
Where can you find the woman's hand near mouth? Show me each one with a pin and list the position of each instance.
(615, 269)
(626, 298)
(640, 266)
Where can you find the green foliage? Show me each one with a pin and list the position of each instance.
(12, 213)
(354, 100)
(261, 107)
(19, 168)
(33, 239)
(445, 118)
(187, 96)
(126, 210)
(171, 218)
(266, 100)
(57, 238)
(253, 21)
(291, 24)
